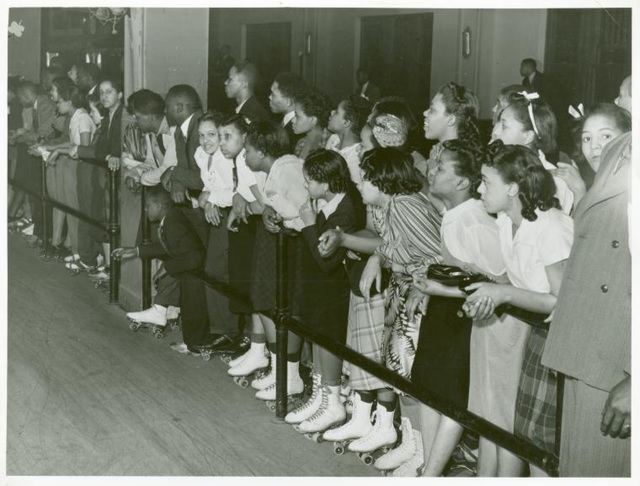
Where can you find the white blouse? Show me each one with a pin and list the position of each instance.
(248, 178)
(536, 245)
(80, 122)
(216, 172)
(471, 235)
(350, 155)
(284, 190)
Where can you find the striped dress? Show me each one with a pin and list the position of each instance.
(411, 238)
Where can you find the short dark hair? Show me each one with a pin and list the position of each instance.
(508, 92)
(27, 86)
(236, 120)
(530, 62)
(250, 72)
(391, 171)
(291, 85)
(56, 71)
(212, 116)
(160, 196)
(356, 111)
(67, 91)
(519, 164)
(269, 138)
(146, 102)
(328, 166)
(89, 68)
(186, 92)
(620, 116)
(468, 163)
(116, 83)
(316, 103)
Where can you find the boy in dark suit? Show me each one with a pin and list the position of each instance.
(285, 90)
(240, 86)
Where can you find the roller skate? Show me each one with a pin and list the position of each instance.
(414, 466)
(16, 225)
(267, 379)
(357, 427)
(464, 460)
(410, 447)
(295, 387)
(307, 409)
(75, 265)
(253, 361)
(173, 318)
(330, 413)
(182, 348)
(379, 440)
(154, 318)
(236, 347)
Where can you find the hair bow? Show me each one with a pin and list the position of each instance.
(390, 131)
(576, 113)
(530, 97)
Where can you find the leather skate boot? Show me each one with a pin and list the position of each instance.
(410, 468)
(156, 314)
(401, 454)
(253, 361)
(258, 349)
(310, 407)
(268, 379)
(382, 434)
(359, 425)
(330, 412)
(295, 385)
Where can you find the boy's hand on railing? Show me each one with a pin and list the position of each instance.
(51, 160)
(616, 415)
(372, 273)
(330, 241)
(232, 222)
(113, 163)
(212, 213)
(125, 253)
(270, 218)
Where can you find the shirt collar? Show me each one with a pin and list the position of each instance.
(35, 105)
(531, 76)
(450, 215)
(239, 107)
(330, 208)
(185, 126)
(364, 87)
(288, 117)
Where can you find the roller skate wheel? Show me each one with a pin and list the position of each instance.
(206, 356)
(225, 358)
(338, 449)
(366, 458)
(317, 437)
(159, 335)
(244, 383)
(271, 405)
(134, 326)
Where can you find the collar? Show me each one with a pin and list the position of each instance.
(185, 126)
(532, 75)
(288, 117)
(364, 87)
(35, 105)
(93, 89)
(452, 214)
(239, 107)
(329, 208)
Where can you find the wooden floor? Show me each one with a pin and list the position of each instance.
(86, 396)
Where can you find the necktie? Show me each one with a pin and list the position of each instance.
(35, 119)
(235, 174)
(161, 143)
(161, 238)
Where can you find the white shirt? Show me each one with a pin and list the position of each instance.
(217, 177)
(364, 90)
(239, 107)
(284, 190)
(471, 235)
(536, 245)
(185, 126)
(350, 155)
(152, 174)
(247, 178)
(563, 193)
(288, 117)
(80, 122)
(330, 207)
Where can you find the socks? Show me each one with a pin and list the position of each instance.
(389, 406)
(366, 396)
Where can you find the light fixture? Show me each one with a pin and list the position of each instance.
(110, 15)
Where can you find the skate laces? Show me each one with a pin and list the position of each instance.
(323, 405)
(314, 394)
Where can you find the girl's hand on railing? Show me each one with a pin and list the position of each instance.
(203, 199)
(232, 222)
(51, 160)
(416, 300)
(125, 253)
(372, 273)
(212, 214)
(270, 219)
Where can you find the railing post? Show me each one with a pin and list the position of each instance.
(114, 234)
(281, 330)
(559, 406)
(43, 192)
(145, 240)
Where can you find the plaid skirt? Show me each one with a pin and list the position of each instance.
(535, 418)
(364, 335)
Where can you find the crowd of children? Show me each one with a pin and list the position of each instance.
(367, 215)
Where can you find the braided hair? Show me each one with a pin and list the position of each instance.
(468, 162)
(520, 165)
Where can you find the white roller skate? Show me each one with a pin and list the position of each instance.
(330, 413)
(308, 408)
(358, 426)
(295, 387)
(401, 454)
(173, 318)
(254, 360)
(267, 379)
(153, 318)
(411, 468)
(378, 441)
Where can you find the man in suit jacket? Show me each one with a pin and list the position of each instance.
(43, 115)
(240, 86)
(285, 90)
(532, 79)
(182, 251)
(366, 88)
(590, 336)
(184, 110)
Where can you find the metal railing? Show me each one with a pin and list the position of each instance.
(112, 226)
(285, 322)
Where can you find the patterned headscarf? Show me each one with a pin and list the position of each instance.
(390, 131)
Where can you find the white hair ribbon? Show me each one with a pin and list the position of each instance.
(530, 97)
(579, 113)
